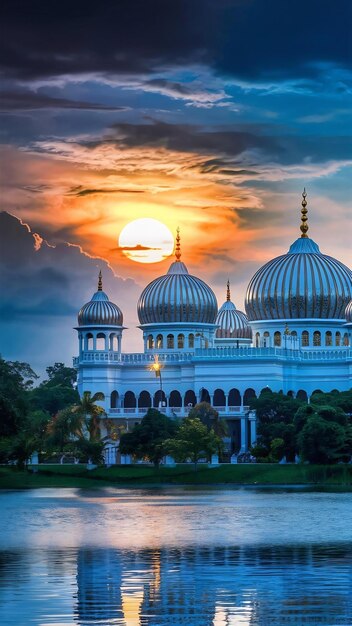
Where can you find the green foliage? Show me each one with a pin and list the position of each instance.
(193, 441)
(277, 448)
(147, 440)
(323, 441)
(57, 392)
(209, 417)
(16, 379)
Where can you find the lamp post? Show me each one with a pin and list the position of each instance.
(157, 367)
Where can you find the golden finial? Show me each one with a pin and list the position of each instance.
(304, 219)
(287, 330)
(100, 282)
(228, 293)
(178, 245)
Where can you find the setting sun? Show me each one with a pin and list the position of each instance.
(146, 240)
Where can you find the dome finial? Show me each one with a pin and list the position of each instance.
(304, 219)
(178, 245)
(228, 293)
(100, 282)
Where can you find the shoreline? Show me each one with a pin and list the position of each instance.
(266, 476)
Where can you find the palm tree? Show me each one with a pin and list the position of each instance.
(90, 414)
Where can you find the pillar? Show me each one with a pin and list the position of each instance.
(226, 402)
(243, 434)
(253, 431)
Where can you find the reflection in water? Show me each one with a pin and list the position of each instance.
(216, 586)
(219, 579)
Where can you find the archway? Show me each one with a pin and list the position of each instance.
(190, 398)
(144, 400)
(248, 395)
(159, 399)
(204, 395)
(234, 397)
(175, 399)
(114, 397)
(219, 398)
(302, 395)
(129, 400)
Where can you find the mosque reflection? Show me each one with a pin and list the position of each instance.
(228, 586)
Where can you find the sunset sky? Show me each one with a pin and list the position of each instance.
(210, 115)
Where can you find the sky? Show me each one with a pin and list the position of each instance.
(207, 115)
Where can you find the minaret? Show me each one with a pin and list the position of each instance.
(304, 217)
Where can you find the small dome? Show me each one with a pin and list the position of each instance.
(100, 311)
(233, 323)
(177, 297)
(304, 283)
(348, 312)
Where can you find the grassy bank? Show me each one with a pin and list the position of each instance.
(140, 475)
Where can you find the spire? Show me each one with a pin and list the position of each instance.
(100, 282)
(178, 245)
(228, 293)
(304, 219)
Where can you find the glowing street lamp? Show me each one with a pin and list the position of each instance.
(157, 367)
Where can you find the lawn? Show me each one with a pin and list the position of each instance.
(139, 475)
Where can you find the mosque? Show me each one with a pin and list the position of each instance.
(296, 336)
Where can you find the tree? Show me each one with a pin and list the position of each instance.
(193, 441)
(16, 379)
(209, 417)
(147, 440)
(90, 413)
(322, 441)
(57, 392)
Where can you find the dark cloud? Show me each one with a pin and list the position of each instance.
(137, 247)
(30, 100)
(248, 39)
(190, 138)
(38, 279)
(80, 191)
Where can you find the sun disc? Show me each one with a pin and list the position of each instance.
(146, 240)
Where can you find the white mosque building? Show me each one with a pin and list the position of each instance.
(296, 336)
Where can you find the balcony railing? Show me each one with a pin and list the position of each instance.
(179, 411)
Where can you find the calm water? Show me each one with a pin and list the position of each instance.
(190, 557)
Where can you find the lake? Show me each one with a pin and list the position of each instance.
(175, 556)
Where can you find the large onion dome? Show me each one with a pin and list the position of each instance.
(177, 297)
(232, 323)
(348, 312)
(100, 311)
(304, 283)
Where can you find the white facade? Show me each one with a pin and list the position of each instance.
(205, 356)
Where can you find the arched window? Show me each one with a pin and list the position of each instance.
(150, 342)
(204, 395)
(257, 340)
(234, 397)
(305, 338)
(114, 399)
(100, 341)
(144, 400)
(175, 399)
(248, 394)
(290, 394)
(317, 338)
(302, 395)
(181, 341)
(338, 338)
(159, 399)
(345, 339)
(89, 339)
(328, 338)
(113, 342)
(129, 400)
(170, 342)
(266, 339)
(190, 398)
(191, 340)
(277, 338)
(159, 341)
(219, 398)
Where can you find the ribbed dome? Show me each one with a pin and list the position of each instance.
(177, 297)
(233, 323)
(304, 283)
(348, 312)
(100, 311)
